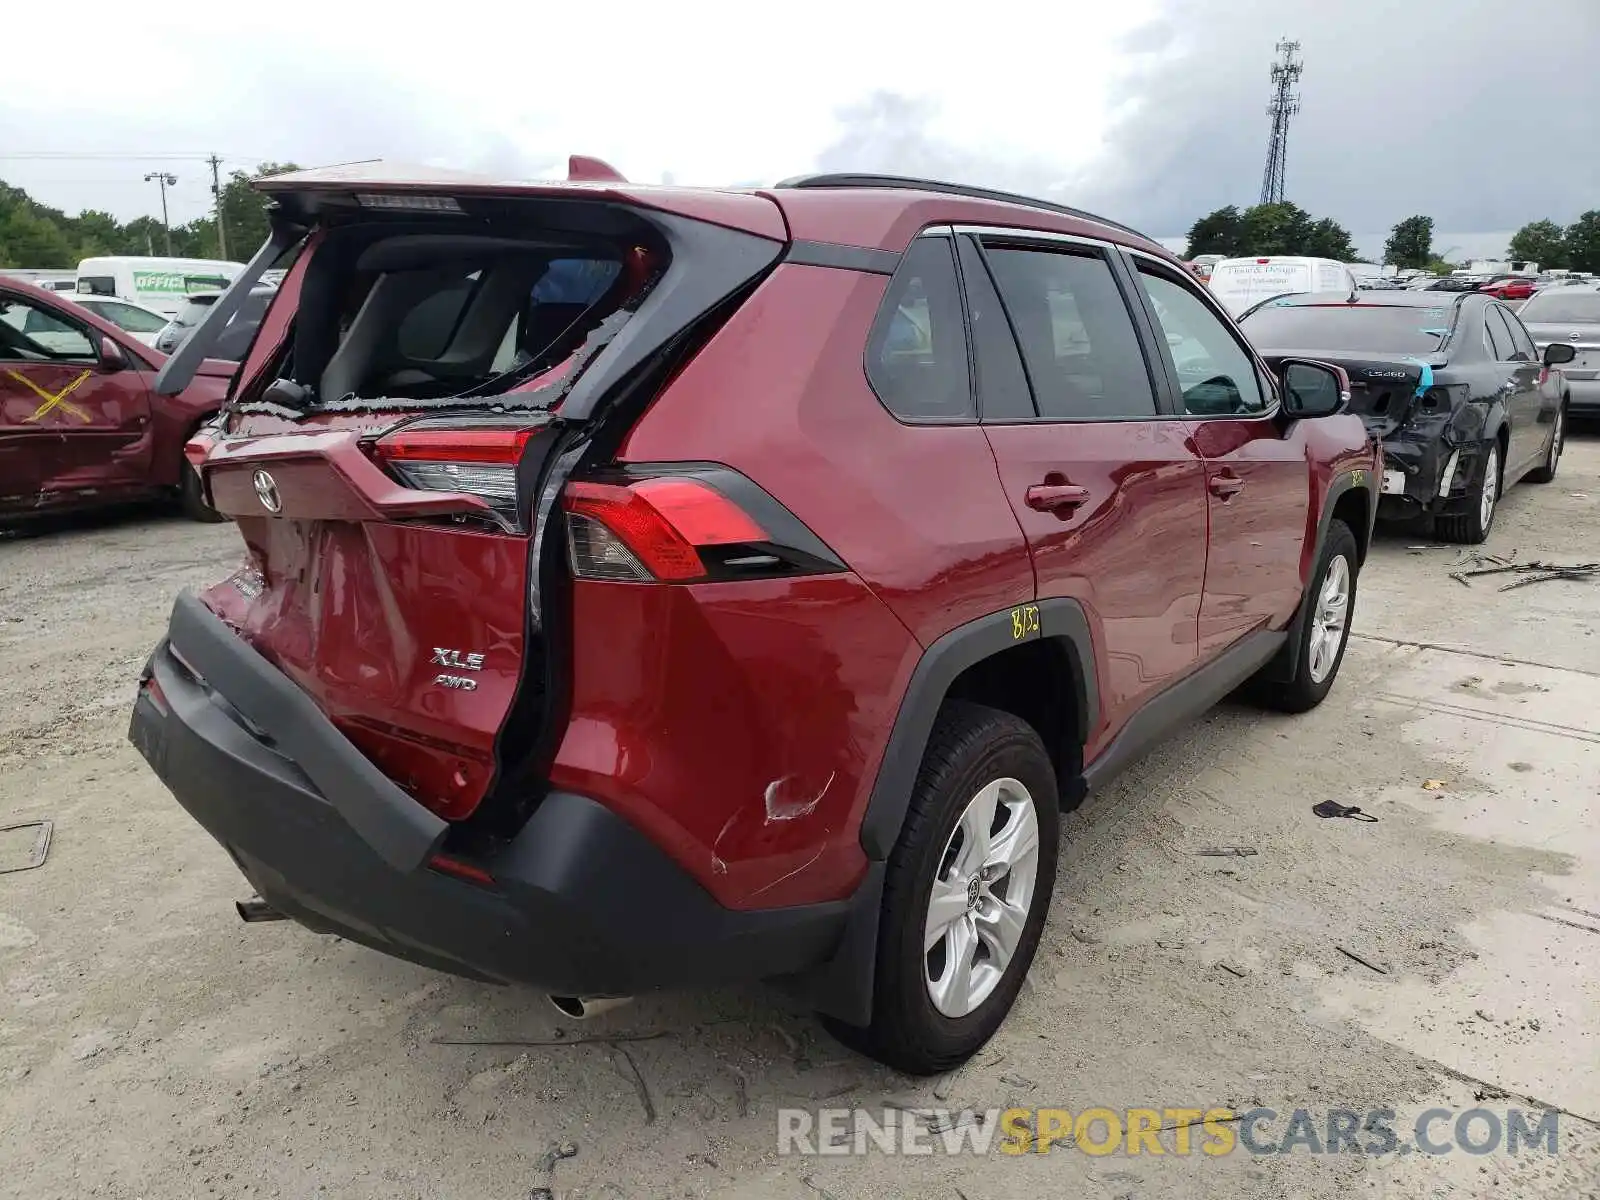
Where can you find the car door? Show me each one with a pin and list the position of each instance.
(70, 419)
(1519, 364)
(1108, 489)
(1258, 476)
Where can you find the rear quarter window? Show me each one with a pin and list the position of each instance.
(917, 351)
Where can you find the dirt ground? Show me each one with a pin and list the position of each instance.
(152, 1045)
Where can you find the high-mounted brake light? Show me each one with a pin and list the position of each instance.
(409, 203)
(653, 529)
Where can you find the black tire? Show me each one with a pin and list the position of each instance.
(970, 747)
(1471, 528)
(1552, 454)
(192, 500)
(1303, 692)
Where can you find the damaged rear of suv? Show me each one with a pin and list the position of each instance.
(370, 713)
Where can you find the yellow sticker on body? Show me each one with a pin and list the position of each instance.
(1024, 620)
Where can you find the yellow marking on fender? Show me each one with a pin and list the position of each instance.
(1024, 620)
(58, 400)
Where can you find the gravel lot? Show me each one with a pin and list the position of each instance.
(152, 1045)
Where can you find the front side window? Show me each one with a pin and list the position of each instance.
(917, 351)
(98, 285)
(30, 333)
(1077, 337)
(1215, 375)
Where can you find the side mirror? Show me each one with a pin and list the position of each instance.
(111, 356)
(1313, 389)
(1557, 353)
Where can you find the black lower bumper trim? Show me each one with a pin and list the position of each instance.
(582, 902)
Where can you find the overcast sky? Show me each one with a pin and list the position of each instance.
(1484, 114)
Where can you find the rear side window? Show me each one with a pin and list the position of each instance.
(1523, 344)
(1077, 337)
(1003, 393)
(917, 351)
(1497, 337)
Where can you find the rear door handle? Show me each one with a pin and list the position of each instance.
(1056, 497)
(1226, 485)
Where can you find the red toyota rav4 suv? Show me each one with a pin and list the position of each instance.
(655, 587)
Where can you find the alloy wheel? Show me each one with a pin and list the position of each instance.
(1330, 618)
(981, 896)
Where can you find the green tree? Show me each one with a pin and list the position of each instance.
(30, 239)
(1582, 242)
(1281, 228)
(1329, 239)
(1410, 243)
(1220, 232)
(1542, 242)
(244, 210)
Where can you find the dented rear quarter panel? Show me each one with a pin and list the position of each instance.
(739, 725)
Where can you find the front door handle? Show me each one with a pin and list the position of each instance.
(1226, 485)
(1056, 497)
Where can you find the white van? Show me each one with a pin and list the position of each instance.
(1240, 282)
(158, 283)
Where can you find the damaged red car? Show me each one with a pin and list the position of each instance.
(652, 587)
(80, 424)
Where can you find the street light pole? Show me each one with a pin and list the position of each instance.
(166, 181)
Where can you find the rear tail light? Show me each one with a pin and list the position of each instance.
(681, 527)
(449, 456)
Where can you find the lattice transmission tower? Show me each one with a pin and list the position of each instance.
(1285, 103)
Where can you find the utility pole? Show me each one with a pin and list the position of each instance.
(216, 192)
(166, 181)
(1285, 103)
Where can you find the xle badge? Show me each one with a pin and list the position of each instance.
(1024, 620)
(459, 661)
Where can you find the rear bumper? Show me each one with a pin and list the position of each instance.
(1420, 466)
(581, 903)
(1583, 397)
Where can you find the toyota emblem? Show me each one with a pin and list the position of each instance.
(267, 492)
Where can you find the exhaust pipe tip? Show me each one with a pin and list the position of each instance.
(256, 909)
(582, 1008)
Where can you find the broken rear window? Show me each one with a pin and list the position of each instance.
(396, 316)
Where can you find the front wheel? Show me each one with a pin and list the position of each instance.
(1325, 630)
(965, 894)
(1546, 471)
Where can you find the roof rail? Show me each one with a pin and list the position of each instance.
(910, 183)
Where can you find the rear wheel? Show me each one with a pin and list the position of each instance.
(965, 895)
(191, 497)
(1329, 602)
(1552, 454)
(1472, 527)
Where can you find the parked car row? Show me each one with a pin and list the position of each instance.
(532, 591)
